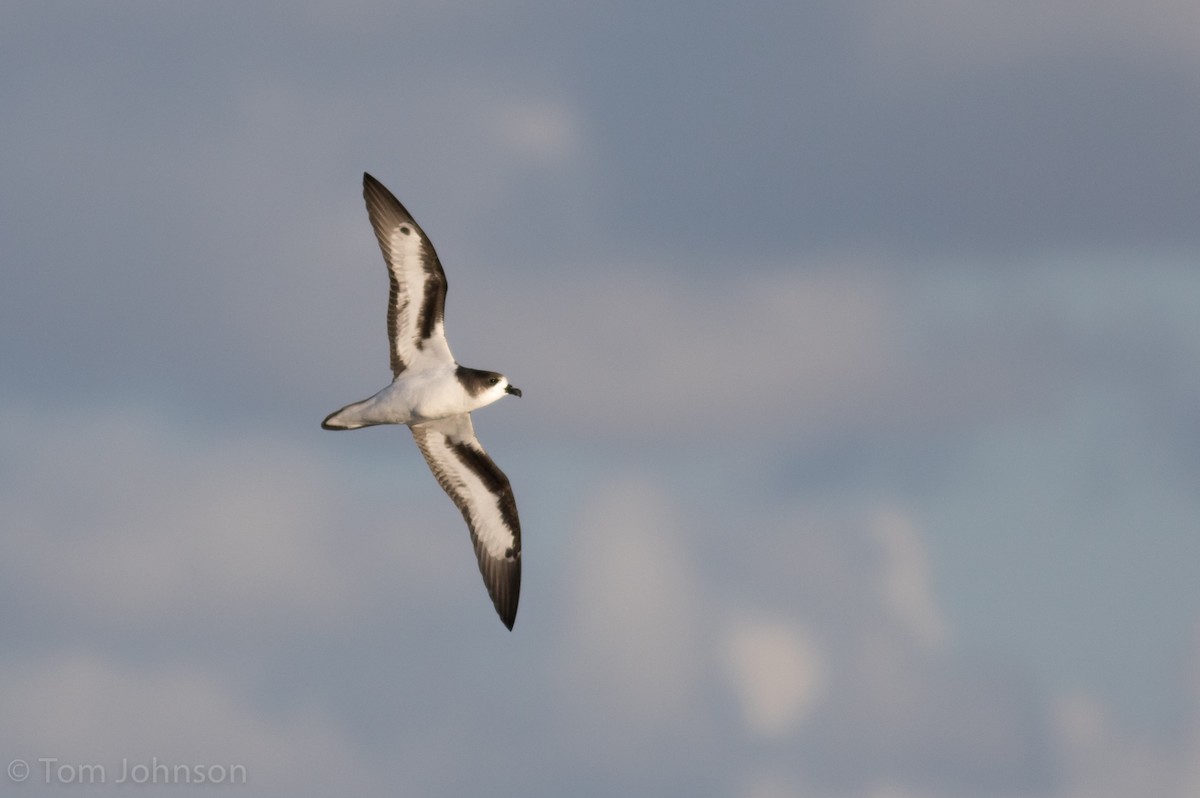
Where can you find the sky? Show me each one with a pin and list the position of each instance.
(860, 440)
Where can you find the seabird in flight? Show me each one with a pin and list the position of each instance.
(435, 396)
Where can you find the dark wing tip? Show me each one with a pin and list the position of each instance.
(503, 581)
(382, 201)
(454, 440)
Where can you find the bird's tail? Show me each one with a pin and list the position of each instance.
(349, 417)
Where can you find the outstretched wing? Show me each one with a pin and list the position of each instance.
(483, 494)
(417, 301)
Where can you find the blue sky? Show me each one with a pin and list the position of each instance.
(859, 447)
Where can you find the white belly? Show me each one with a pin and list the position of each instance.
(427, 395)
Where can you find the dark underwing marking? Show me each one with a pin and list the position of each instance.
(434, 302)
(501, 575)
(388, 215)
(478, 463)
(395, 308)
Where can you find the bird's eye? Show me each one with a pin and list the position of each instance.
(494, 380)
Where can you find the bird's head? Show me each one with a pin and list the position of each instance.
(485, 386)
(498, 382)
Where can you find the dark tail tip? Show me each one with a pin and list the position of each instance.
(329, 424)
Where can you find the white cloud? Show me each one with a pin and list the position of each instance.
(1101, 760)
(540, 131)
(776, 672)
(906, 580)
(631, 662)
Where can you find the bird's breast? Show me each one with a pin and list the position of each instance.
(432, 398)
